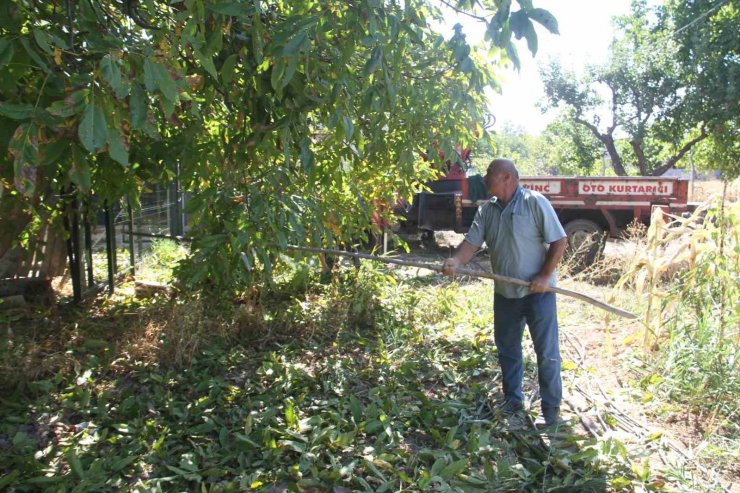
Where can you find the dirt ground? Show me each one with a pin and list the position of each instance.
(601, 394)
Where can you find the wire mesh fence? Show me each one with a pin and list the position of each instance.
(123, 236)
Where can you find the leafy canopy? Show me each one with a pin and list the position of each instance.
(287, 121)
(663, 90)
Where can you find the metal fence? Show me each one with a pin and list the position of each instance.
(104, 248)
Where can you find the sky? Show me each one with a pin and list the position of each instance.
(585, 33)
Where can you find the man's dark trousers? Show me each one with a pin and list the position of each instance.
(539, 312)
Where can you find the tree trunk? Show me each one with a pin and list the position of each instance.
(608, 142)
(616, 159)
(45, 252)
(641, 160)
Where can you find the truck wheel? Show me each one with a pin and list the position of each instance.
(586, 241)
(428, 240)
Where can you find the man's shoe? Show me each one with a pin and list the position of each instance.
(510, 406)
(551, 416)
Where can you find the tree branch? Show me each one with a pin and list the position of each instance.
(594, 129)
(671, 162)
(608, 142)
(464, 12)
(613, 126)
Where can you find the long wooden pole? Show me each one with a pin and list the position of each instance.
(467, 272)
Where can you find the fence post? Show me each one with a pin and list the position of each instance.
(73, 247)
(132, 253)
(110, 247)
(88, 247)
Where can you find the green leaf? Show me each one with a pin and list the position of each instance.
(206, 61)
(117, 145)
(24, 148)
(93, 129)
(71, 105)
(21, 111)
(374, 61)
(453, 469)
(276, 76)
(513, 55)
(290, 70)
(166, 84)
(291, 419)
(42, 39)
(150, 76)
(34, 56)
(6, 51)
(356, 408)
(123, 462)
(518, 23)
(111, 73)
(347, 127)
(531, 36)
(501, 16)
(307, 155)
(293, 46)
(237, 9)
(54, 151)
(545, 18)
(8, 479)
(75, 464)
(228, 69)
(137, 105)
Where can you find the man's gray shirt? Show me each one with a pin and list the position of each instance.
(518, 236)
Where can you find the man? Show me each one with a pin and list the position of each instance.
(517, 225)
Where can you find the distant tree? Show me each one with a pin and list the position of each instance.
(570, 148)
(644, 91)
(706, 33)
(513, 142)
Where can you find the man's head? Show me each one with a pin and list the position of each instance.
(502, 178)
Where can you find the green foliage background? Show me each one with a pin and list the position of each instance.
(288, 121)
(669, 87)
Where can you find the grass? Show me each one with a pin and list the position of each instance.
(363, 384)
(370, 381)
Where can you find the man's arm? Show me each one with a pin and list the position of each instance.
(541, 281)
(462, 256)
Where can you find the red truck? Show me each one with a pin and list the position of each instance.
(588, 207)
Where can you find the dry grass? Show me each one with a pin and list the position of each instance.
(161, 331)
(704, 190)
